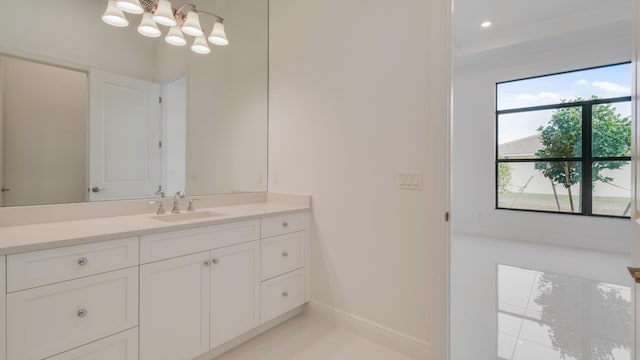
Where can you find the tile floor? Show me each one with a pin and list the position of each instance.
(530, 301)
(304, 338)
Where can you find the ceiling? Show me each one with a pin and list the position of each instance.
(516, 22)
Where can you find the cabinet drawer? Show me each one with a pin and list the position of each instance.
(122, 346)
(282, 294)
(37, 268)
(48, 320)
(282, 254)
(177, 243)
(283, 224)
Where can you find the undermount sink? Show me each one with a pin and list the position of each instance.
(187, 216)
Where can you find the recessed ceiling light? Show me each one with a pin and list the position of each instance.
(486, 24)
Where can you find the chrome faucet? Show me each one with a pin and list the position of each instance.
(176, 207)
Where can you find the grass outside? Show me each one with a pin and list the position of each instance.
(615, 206)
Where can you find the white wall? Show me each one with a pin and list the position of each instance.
(45, 133)
(71, 33)
(358, 93)
(473, 192)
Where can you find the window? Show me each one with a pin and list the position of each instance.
(563, 142)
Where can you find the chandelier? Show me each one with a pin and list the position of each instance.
(185, 19)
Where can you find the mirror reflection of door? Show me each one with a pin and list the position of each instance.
(174, 124)
(125, 152)
(2, 188)
(44, 133)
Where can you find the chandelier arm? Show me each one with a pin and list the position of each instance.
(185, 5)
(212, 14)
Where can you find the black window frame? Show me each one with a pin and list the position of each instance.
(586, 160)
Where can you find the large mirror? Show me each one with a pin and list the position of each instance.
(92, 112)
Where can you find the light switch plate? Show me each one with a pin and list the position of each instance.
(410, 180)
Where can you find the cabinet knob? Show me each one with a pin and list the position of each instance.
(215, 261)
(285, 224)
(83, 261)
(285, 294)
(82, 313)
(207, 263)
(285, 254)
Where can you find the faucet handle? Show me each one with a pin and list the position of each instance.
(191, 208)
(160, 207)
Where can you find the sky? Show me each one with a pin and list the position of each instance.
(605, 82)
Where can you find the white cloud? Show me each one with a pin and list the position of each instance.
(542, 96)
(611, 87)
(581, 82)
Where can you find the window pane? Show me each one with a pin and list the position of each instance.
(612, 188)
(605, 82)
(540, 134)
(542, 186)
(611, 129)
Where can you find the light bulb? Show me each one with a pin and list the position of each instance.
(200, 46)
(164, 14)
(130, 6)
(175, 37)
(218, 36)
(114, 16)
(191, 25)
(148, 27)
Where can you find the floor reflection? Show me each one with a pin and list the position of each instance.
(523, 301)
(552, 316)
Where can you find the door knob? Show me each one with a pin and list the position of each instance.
(96, 189)
(5, 190)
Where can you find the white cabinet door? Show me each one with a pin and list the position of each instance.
(235, 291)
(174, 308)
(121, 346)
(3, 307)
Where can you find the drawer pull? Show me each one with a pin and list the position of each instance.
(207, 263)
(83, 261)
(285, 254)
(285, 294)
(215, 261)
(285, 224)
(82, 313)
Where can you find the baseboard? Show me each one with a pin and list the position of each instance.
(393, 339)
(249, 335)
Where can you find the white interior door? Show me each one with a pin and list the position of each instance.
(124, 137)
(635, 163)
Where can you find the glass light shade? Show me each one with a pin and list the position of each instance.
(164, 14)
(218, 37)
(148, 27)
(200, 46)
(191, 25)
(114, 16)
(130, 6)
(175, 37)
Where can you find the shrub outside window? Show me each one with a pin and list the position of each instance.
(564, 142)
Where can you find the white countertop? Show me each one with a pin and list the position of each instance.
(22, 238)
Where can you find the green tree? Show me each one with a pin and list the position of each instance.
(562, 138)
(505, 178)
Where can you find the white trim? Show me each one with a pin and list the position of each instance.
(380, 334)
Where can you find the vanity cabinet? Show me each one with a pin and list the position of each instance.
(172, 295)
(65, 298)
(51, 319)
(193, 303)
